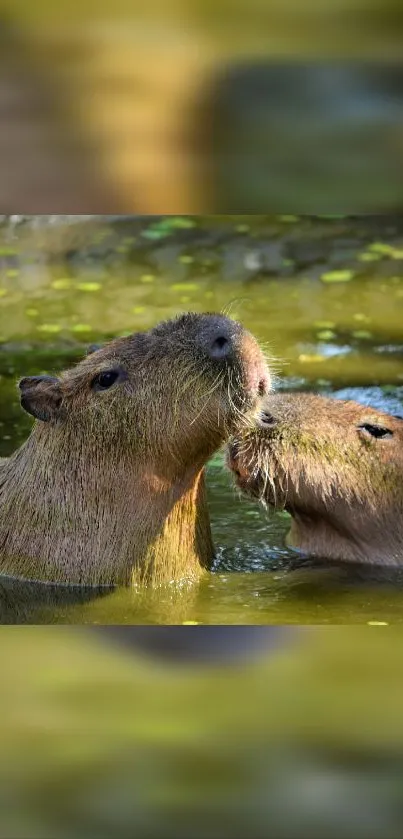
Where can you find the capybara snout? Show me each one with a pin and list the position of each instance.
(224, 340)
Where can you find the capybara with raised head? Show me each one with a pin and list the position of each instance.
(109, 487)
(335, 466)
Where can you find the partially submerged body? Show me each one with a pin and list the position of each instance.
(109, 487)
(335, 466)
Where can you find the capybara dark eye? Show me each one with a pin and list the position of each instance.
(376, 431)
(105, 380)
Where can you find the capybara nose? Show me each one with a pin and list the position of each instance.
(220, 346)
(266, 418)
(218, 337)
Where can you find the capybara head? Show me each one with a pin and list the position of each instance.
(169, 395)
(324, 461)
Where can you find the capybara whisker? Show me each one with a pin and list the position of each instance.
(208, 394)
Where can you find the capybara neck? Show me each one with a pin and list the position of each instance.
(109, 487)
(107, 521)
(335, 466)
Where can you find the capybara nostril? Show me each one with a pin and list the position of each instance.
(220, 347)
(266, 418)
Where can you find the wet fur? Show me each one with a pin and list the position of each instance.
(111, 489)
(343, 491)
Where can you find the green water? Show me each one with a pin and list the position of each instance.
(332, 315)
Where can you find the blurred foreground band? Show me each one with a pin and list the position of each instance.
(169, 111)
(303, 741)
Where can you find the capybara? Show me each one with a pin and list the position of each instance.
(335, 466)
(109, 487)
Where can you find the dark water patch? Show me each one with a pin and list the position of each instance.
(28, 602)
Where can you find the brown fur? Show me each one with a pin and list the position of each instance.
(109, 487)
(343, 487)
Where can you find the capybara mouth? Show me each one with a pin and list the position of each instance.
(256, 385)
(255, 486)
(256, 374)
(246, 382)
(250, 486)
(247, 482)
(243, 461)
(258, 378)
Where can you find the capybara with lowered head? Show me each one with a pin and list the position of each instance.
(109, 487)
(335, 466)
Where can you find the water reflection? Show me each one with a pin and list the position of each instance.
(297, 592)
(23, 601)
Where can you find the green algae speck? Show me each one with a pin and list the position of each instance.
(326, 335)
(337, 276)
(50, 328)
(88, 286)
(62, 284)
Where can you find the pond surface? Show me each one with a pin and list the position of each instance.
(325, 297)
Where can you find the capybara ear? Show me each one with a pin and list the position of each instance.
(41, 396)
